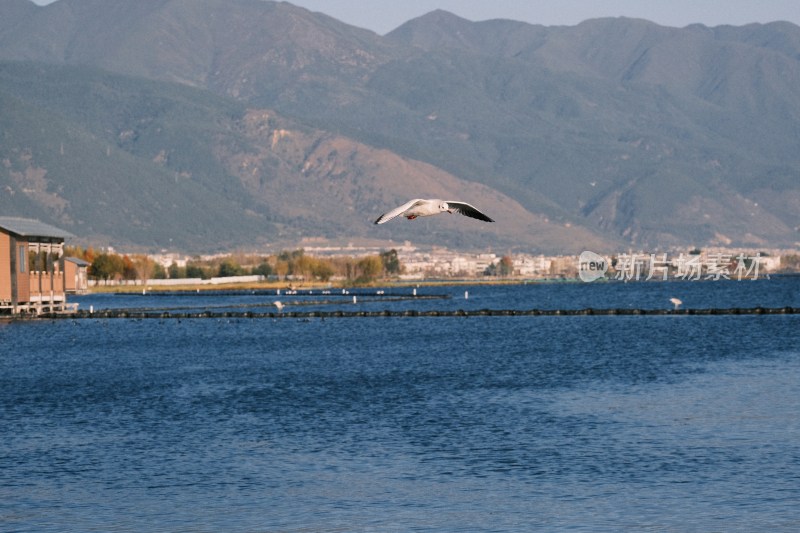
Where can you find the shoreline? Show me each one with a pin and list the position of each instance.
(386, 283)
(314, 285)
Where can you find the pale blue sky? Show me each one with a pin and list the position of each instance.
(382, 16)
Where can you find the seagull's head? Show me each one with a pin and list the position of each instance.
(444, 207)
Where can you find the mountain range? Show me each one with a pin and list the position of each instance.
(216, 124)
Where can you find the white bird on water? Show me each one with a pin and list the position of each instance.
(425, 208)
(279, 305)
(676, 302)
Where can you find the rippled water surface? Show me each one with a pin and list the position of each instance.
(588, 423)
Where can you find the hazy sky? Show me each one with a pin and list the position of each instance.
(385, 15)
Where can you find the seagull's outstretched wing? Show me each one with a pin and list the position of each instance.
(386, 217)
(468, 210)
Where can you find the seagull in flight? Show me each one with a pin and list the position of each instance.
(425, 208)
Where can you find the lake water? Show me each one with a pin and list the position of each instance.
(580, 423)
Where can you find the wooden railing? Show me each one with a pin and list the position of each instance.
(42, 285)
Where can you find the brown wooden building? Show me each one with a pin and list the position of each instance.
(76, 275)
(32, 276)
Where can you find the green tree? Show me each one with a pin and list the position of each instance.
(159, 272)
(229, 268)
(33, 261)
(391, 263)
(263, 269)
(176, 272)
(107, 266)
(196, 271)
(288, 256)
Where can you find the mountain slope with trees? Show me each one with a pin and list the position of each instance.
(611, 132)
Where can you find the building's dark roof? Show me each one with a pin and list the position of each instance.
(27, 227)
(79, 262)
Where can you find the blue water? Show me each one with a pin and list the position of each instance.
(580, 423)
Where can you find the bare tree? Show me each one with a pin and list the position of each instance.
(144, 269)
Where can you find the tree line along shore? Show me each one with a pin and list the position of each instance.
(109, 269)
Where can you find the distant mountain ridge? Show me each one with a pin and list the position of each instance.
(613, 132)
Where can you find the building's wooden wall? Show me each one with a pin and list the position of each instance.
(5, 267)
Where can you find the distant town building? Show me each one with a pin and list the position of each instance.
(32, 278)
